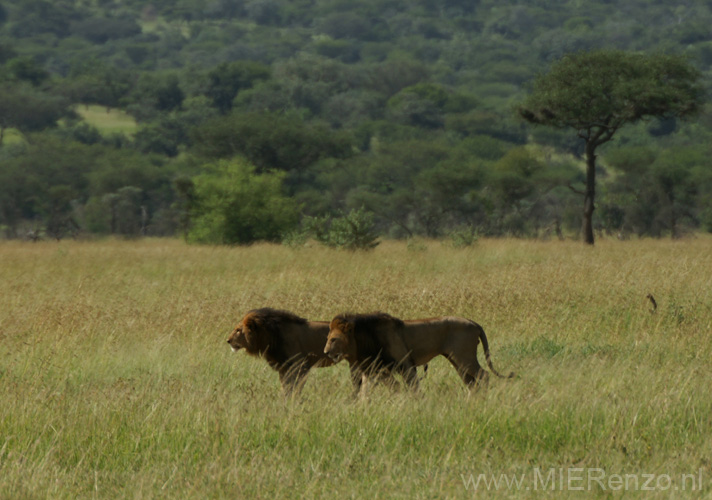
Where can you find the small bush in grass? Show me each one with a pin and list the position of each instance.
(463, 237)
(416, 245)
(352, 231)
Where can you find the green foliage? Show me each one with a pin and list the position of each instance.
(480, 122)
(410, 109)
(29, 110)
(657, 192)
(610, 88)
(344, 50)
(269, 140)
(266, 12)
(85, 133)
(633, 160)
(97, 215)
(424, 104)
(155, 93)
(352, 231)
(598, 92)
(27, 69)
(402, 109)
(435, 94)
(391, 76)
(350, 25)
(164, 137)
(516, 175)
(233, 204)
(95, 82)
(484, 147)
(128, 211)
(463, 237)
(102, 29)
(57, 208)
(37, 17)
(228, 79)
(122, 213)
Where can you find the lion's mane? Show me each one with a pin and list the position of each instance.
(266, 330)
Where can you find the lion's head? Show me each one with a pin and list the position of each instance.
(357, 337)
(238, 338)
(260, 332)
(340, 343)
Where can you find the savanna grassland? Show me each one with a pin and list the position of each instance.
(116, 380)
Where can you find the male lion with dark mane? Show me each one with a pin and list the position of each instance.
(290, 344)
(361, 338)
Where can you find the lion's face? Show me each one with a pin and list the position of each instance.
(340, 342)
(238, 337)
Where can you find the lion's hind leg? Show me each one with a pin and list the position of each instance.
(470, 371)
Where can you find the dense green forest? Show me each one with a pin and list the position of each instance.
(271, 120)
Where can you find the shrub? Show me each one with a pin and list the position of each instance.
(463, 237)
(233, 205)
(352, 231)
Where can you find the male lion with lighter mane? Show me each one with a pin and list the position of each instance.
(290, 344)
(373, 347)
(362, 338)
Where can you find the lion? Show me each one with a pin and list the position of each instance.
(373, 347)
(360, 339)
(290, 344)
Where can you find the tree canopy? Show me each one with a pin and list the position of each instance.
(401, 113)
(598, 92)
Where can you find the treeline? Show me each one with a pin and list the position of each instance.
(267, 119)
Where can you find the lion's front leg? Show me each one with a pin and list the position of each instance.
(292, 377)
(357, 379)
(410, 375)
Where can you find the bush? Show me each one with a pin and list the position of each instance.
(233, 205)
(463, 237)
(352, 231)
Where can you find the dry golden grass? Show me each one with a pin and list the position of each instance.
(116, 381)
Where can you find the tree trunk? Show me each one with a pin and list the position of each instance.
(590, 194)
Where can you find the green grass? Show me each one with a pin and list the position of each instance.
(116, 381)
(111, 121)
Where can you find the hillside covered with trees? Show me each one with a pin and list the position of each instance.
(268, 119)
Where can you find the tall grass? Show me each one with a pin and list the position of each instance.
(116, 381)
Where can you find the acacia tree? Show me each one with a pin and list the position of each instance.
(29, 110)
(598, 92)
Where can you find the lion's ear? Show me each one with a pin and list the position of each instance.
(343, 325)
(250, 328)
(251, 322)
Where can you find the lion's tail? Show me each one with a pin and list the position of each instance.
(485, 346)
